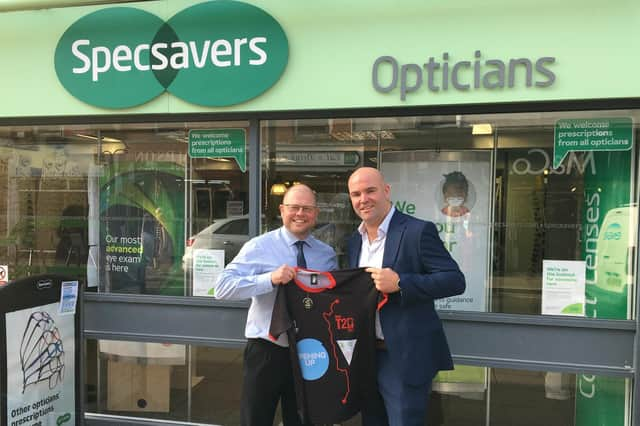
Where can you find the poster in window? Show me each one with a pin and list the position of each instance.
(452, 190)
(141, 228)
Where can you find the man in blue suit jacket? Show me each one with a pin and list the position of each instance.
(408, 262)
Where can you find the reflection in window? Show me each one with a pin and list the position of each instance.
(151, 380)
(575, 220)
(154, 200)
(512, 221)
(44, 206)
(113, 205)
(164, 381)
(124, 207)
(224, 236)
(322, 154)
(504, 397)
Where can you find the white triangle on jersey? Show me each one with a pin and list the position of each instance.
(347, 346)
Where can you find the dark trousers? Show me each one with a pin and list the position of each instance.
(400, 404)
(267, 379)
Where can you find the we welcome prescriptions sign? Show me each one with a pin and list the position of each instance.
(594, 134)
(219, 143)
(216, 53)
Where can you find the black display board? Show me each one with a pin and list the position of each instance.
(40, 336)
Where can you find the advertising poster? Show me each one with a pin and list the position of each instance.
(207, 264)
(141, 227)
(452, 190)
(40, 367)
(608, 247)
(563, 287)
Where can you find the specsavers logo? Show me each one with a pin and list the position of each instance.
(217, 53)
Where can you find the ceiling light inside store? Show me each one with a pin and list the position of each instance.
(482, 129)
(282, 160)
(278, 189)
(113, 148)
(95, 138)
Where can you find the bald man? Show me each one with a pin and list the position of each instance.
(262, 264)
(408, 261)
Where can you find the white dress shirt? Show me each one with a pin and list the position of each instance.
(372, 253)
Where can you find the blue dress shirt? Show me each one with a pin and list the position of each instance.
(249, 275)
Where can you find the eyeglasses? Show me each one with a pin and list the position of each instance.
(296, 208)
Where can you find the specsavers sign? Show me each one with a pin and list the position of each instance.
(216, 53)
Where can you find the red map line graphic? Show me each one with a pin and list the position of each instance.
(326, 316)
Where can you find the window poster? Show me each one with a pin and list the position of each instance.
(609, 250)
(141, 227)
(452, 190)
(207, 265)
(40, 366)
(563, 285)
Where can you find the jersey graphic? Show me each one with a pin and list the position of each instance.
(346, 346)
(330, 317)
(314, 358)
(333, 342)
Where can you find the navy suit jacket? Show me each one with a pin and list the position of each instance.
(412, 329)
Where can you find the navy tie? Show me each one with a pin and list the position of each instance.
(302, 263)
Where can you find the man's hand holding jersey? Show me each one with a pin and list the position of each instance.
(385, 279)
(283, 275)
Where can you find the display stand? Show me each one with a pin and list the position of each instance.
(41, 341)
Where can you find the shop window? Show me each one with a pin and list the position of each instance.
(116, 206)
(44, 176)
(530, 238)
(312, 153)
(565, 236)
(151, 380)
(164, 381)
(504, 397)
(235, 227)
(166, 198)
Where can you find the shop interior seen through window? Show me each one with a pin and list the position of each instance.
(132, 208)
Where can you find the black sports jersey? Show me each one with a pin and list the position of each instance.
(330, 316)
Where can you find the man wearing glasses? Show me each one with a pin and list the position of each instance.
(262, 264)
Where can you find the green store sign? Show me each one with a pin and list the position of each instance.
(605, 134)
(213, 54)
(219, 143)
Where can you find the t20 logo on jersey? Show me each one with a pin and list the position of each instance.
(345, 323)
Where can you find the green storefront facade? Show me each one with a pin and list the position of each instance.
(142, 143)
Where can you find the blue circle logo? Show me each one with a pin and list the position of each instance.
(314, 359)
